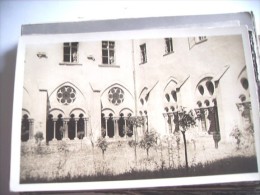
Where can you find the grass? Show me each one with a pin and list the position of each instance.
(224, 166)
(77, 164)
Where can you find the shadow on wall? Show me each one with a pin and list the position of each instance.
(6, 105)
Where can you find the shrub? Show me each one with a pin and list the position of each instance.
(62, 148)
(38, 137)
(236, 133)
(102, 144)
(148, 141)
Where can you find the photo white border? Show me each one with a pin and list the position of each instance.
(135, 34)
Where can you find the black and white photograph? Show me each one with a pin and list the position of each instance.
(129, 108)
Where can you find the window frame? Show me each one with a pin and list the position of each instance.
(143, 53)
(109, 51)
(69, 53)
(168, 46)
(200, 39)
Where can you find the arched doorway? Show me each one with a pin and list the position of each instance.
(110, 126)
(59, 128)
(121, 125)
(25, 128)
(207, 108)
(50, 128)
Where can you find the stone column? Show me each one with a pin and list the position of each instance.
(85, 127)
(106, 127)
(171, 121)
(54, 131)
(41, 114)
(31, 128)
(147, 122)
(76, 130)
(125, 127)
(65, 126)
(165, 115)
(116, 127)
(95, 113)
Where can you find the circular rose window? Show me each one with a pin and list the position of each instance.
(66, 95)
(116, 95)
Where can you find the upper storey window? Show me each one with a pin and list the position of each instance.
(200, 39)
(108, 52)
(168, 45)
(70, 52)
(196, 40)
(143, 53)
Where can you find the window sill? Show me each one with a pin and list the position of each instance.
(143, 63)
(201, 41)
(109, 65)
(166, 54)
(69, 64)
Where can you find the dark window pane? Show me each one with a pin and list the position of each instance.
(210, 87)
(168, 43)
(244, 83)
(104, 44)
(105, 60)
(66, 44)
(167, 97)
(201, 89)
(111, 44)
(74, 44)
(104, 53)
(66, 50)
(143, 53)
(174, 95)
(112, 53)
(74, 50)
(66, 58)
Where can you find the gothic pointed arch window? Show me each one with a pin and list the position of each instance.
(244, 103)
(207, 109)
(171, 106)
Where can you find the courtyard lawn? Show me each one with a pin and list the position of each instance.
(74, 161)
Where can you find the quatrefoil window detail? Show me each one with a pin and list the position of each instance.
(116, 95)
(66, 95)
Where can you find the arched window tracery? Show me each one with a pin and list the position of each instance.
(66, 95)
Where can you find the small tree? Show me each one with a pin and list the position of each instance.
(148, 141)
(236, 133)
(62, 149)
(80, 135)
(135, 122)
(102, 144)
(186, 120)
(38, 139)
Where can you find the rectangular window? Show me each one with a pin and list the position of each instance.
(108, 52)
(193, 41)
(70, 52)
(143, 53)
(200, 39)
(168, 45)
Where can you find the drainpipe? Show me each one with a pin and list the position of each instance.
(134, 77)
